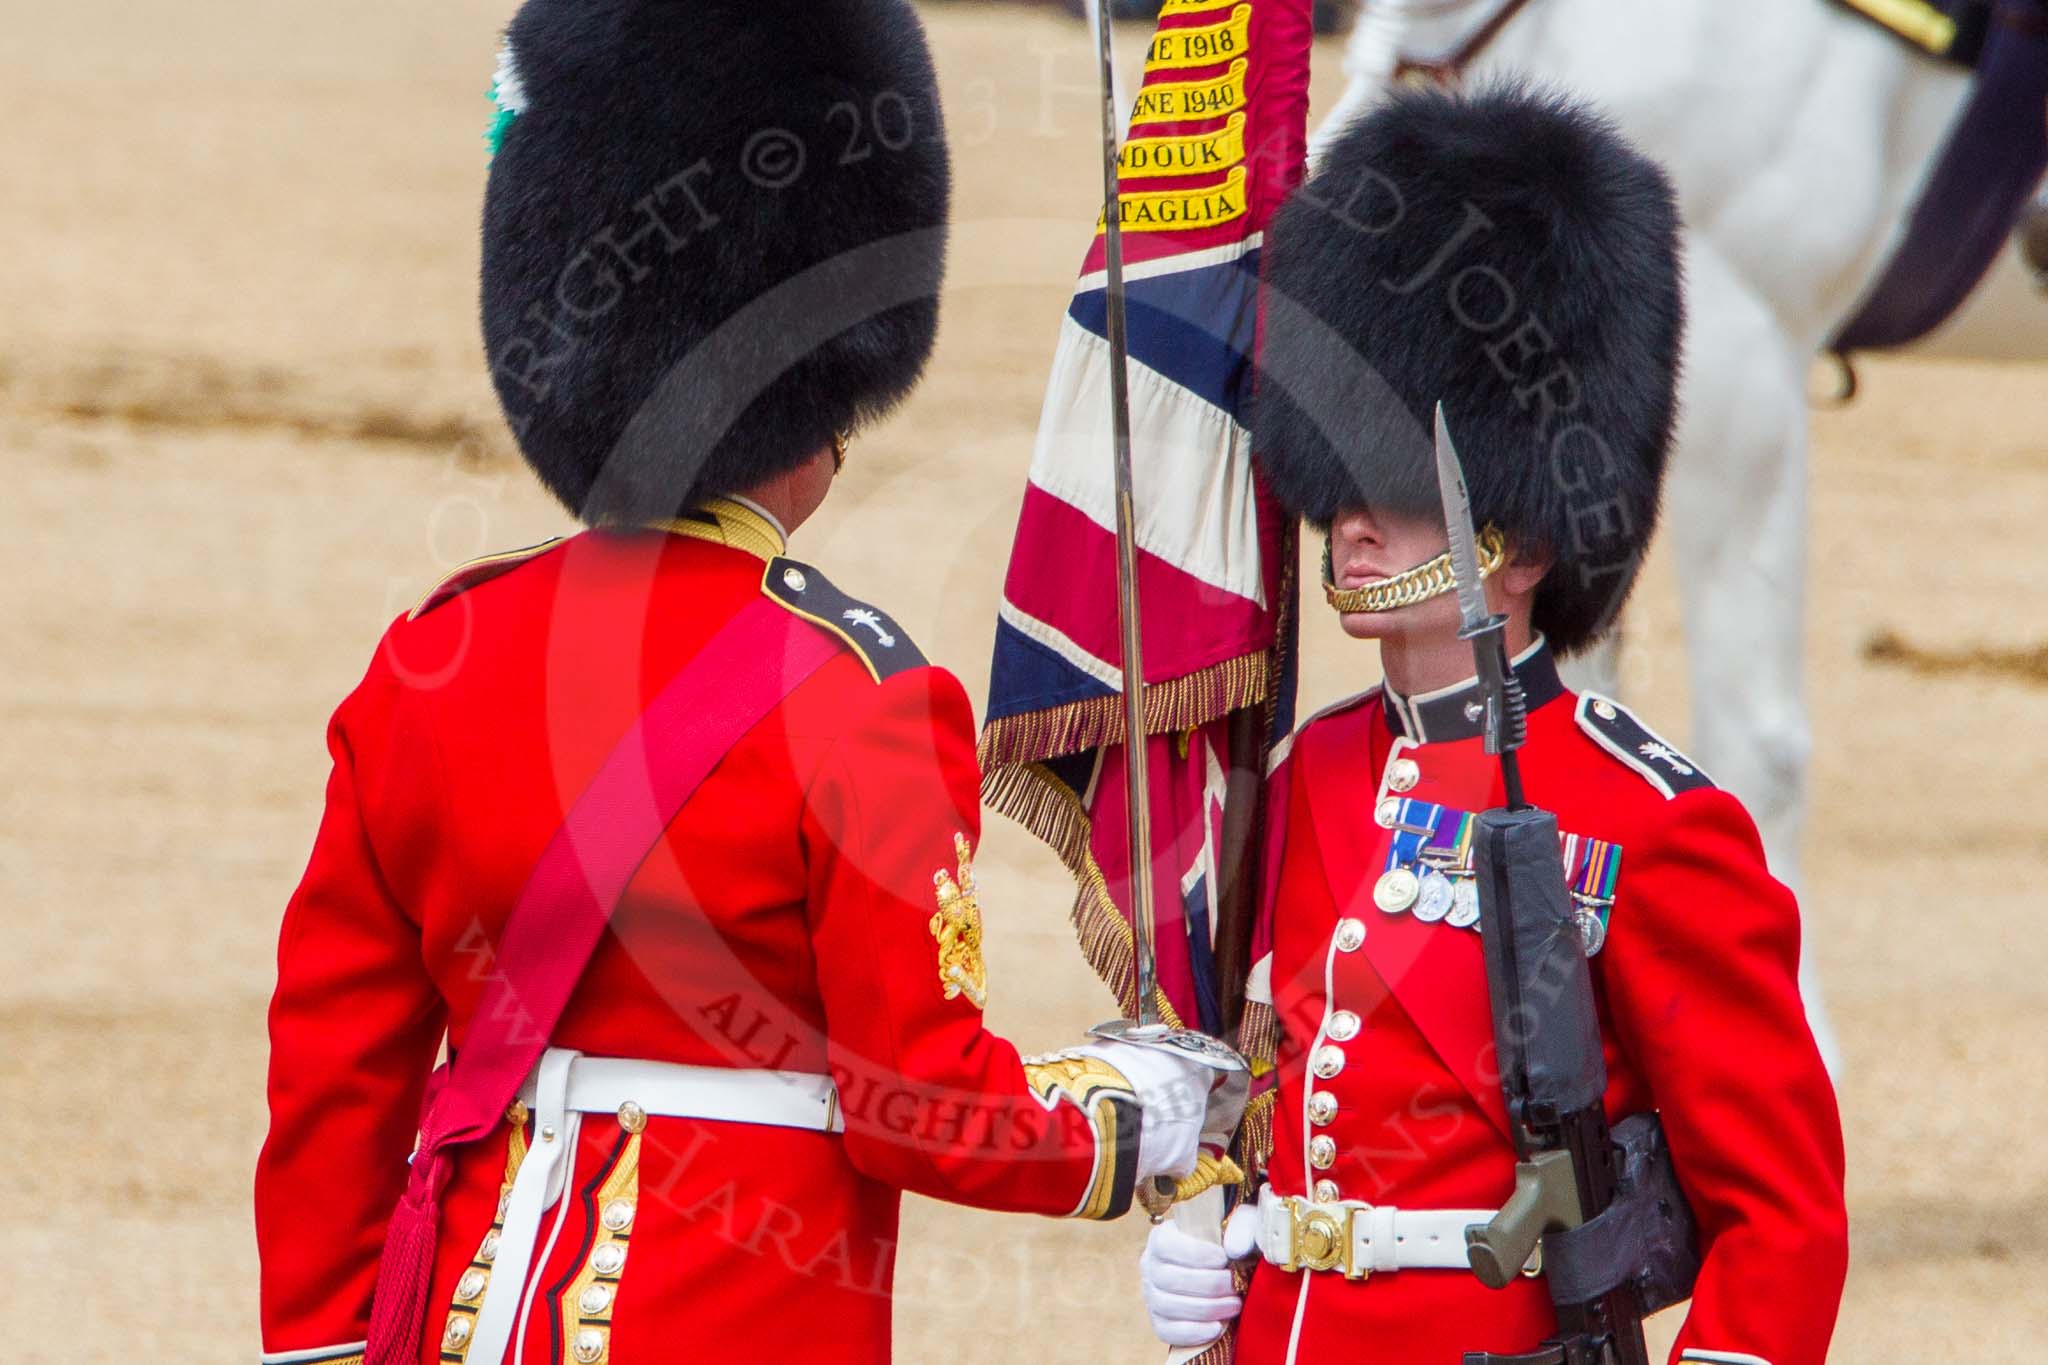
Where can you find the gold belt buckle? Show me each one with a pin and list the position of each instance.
(1321, 1240)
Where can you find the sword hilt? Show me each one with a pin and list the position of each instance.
(1156, 1196)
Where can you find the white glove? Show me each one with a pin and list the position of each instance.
(1189, 1292)
(1241, 1232)
(1174, 1093)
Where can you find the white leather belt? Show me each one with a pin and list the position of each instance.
(566, 1086)
(780, 1099)
(1362, 1239)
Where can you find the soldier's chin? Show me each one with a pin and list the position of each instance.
(1429, 618)
(1378, 625)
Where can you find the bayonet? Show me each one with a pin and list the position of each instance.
(1450, 479)
(1506, 718)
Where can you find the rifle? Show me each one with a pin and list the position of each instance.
(1596, 1209)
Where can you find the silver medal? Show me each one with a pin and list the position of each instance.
(1465, 904)
(1436, 898)
(1396, 891)
(1591, 930)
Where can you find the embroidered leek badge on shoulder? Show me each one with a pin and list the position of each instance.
(1614, 728)
(867, 630)
(957, 927)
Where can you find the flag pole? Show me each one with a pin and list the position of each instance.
(1137, 793)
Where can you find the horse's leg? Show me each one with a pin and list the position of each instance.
(1738, 522)
(1369, 61)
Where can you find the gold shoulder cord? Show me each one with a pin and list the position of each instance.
(1418, 585)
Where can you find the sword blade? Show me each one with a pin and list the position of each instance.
(1450, 479)
(1137, 778)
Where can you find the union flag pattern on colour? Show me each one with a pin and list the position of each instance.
(1218, 138)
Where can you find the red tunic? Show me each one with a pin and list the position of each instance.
(790, 920)
(1698, 990)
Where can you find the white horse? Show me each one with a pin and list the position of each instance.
(1798, 136)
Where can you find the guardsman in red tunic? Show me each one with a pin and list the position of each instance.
(1507, 255)
(691, 293)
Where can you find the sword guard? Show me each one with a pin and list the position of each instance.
(1186, 1044)
(1224, 1104)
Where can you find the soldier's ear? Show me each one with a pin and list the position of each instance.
(1526, 568)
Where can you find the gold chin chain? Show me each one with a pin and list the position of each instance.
(1419, 584)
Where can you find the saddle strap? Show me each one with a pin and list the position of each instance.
(1981, 183)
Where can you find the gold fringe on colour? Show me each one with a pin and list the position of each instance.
(1255, 1134)
(1179, 704)
(1035, 799)
(1258, 1036)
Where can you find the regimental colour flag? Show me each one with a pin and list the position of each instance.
(1217, 140)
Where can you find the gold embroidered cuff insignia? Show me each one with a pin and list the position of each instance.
(1103, 1093)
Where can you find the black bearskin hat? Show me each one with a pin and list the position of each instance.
(713, 238)
(1507, 254)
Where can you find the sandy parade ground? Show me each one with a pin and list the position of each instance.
(246, 420)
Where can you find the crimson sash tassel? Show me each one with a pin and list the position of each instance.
(398, 1312)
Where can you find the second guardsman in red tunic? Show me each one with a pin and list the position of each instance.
(1506, 255)
(692, 292)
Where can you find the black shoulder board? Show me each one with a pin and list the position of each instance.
(1617, 731)
(868, 631)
